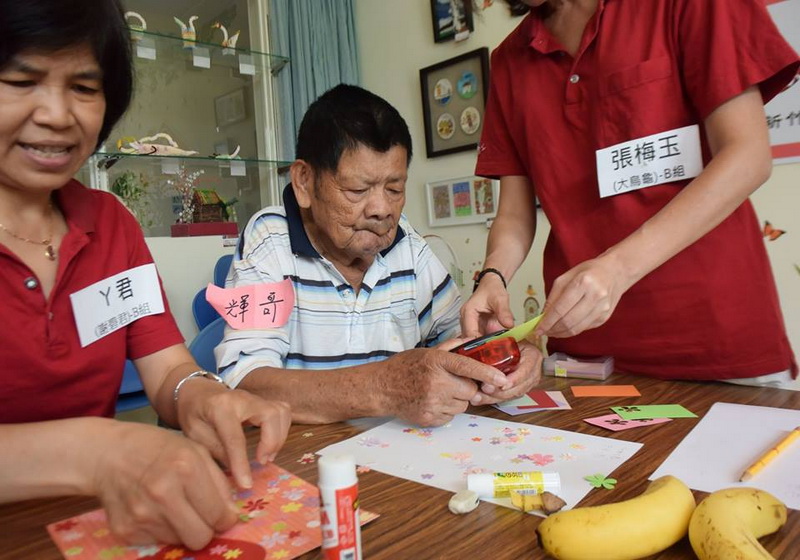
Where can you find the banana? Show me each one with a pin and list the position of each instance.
(728, 523)
(635, 528)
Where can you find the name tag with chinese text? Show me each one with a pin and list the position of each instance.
(115, 302)
(258, 306)
(652, 160)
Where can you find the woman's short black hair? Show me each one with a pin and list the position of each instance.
(343, 118)
(52, 25)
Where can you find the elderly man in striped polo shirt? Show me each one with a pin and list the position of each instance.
(373, 305)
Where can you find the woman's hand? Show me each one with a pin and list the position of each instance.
(158, 486)
(583, 298)
(213, 415)
(487, 310)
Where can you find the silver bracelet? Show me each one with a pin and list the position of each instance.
(198, 373)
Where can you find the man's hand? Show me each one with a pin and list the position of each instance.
(158, 486)
(519, 381)
(213, 416)
(427, 387)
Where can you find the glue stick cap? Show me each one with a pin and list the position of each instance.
(337, 470)
(498, 484)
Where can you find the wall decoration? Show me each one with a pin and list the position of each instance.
(465, 200)
(452, 19)
(453, 101)
(230, 108)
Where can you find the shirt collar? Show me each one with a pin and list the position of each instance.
(301, 244)
(77, 204)
(539, 37)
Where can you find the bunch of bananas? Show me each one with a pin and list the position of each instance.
(726, 525)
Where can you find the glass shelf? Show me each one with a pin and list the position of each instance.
(150, 45)
(170, 164)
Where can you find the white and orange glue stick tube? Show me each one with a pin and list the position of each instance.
(500, 484)
(338, 489)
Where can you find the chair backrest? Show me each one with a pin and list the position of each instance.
(131, 391)
(202, 347)
(202, 310)
(221, 270)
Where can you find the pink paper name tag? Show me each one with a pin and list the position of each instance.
(259, 306)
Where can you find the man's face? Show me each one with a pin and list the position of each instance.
(354, 212)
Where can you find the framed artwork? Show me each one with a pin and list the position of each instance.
(465, 200)
(451, 19)
(230, 108)
(453, 102)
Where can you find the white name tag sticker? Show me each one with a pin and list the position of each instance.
(652, 160)
(111, 304)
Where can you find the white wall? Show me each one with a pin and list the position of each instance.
(186, 265)
(396, 40)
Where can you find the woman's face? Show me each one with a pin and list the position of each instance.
(51, 111)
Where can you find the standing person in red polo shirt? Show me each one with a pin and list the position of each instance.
(81, 294)
(640, 128)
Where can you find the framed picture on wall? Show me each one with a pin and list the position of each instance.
(465, 200)
(453, 102)
(451, 19)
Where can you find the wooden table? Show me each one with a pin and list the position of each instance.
(414, 521)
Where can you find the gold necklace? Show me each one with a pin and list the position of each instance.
(49, 251)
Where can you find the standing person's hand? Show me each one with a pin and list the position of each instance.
(583, 298)
(487, 310)
(427, 386)
(214, 416)
(158, 486)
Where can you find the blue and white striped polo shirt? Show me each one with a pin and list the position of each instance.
(407, 299)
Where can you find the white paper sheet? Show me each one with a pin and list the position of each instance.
(730, 438)
(443, 457)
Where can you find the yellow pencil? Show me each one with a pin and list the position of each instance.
(770, 455)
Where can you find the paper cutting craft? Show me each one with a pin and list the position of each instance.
(443, 457)
(653, 411)
(279, 519)
(728, 439)
(614, 423)
(526, 404)
(605, 391)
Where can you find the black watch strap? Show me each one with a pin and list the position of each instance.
(486, 271)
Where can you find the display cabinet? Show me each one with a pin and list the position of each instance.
(198, 142)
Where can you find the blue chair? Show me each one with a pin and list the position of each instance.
(221, 270)
(131, 392)
(202, 310)
(202, 347)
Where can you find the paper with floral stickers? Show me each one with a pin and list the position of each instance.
(279, 519)
(443, 457)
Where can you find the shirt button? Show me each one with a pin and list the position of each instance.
(574, 79)
(31, 283)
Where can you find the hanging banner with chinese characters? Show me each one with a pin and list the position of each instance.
(115, 302)
(783, 112)
(672, 155)
(259, 306)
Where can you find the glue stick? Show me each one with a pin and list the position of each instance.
(339, 520)
(500, 484)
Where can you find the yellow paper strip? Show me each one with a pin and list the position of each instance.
(521, 332)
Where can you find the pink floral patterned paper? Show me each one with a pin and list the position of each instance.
(279, 520)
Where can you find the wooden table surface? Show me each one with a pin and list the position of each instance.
(414, 521)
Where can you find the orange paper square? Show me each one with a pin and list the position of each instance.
(605, 391)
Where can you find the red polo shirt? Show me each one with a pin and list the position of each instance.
(44, 372)
(644, 67)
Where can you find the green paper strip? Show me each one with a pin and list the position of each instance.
(652, 411)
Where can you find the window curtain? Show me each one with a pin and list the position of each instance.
(319, 38)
